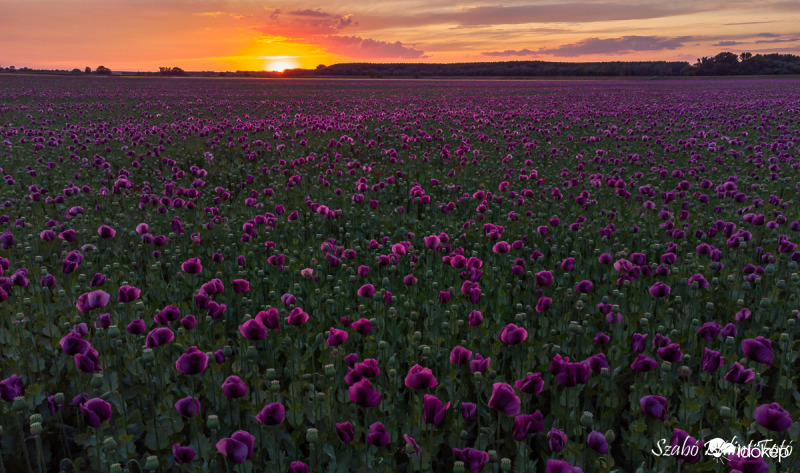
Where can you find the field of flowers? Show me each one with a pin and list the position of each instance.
(219, 275)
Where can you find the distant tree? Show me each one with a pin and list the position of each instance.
(88, 70)
(76, 71)
(745, 56)
(103, 71)
(321, 67)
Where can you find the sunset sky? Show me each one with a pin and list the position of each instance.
(228, 35)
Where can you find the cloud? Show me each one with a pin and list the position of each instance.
(366, 48)
(776, 40)
(625, 44)
(511, 52)
(303, 23)
(215, 14)
(727, 43)
(767, 35)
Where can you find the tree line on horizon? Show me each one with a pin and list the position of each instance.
(724, 63)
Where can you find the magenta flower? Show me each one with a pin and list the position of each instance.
(473, 459)
(557, 440)
(106, 232)
(345, 431)
(188, 406)
(272, 414)
(183, 455)
(240, 286)
(11, 387)
(192, 266)
(378, 435)
(419, 377)
(95, 411)
(336, 337)
(192, 362)
(93, 300)
(367, 290)
(128, 294)
(159, 336)
(460, 355)
(233, 387)
(297, 317)
(659, 289)
(504, 399)
(363, 394)
(433, 411)
(773, 417)
(758, 349)
(654, 406)
(531, 384)
(238, 448)
(253, 329)
(512, 335)
(526, 424)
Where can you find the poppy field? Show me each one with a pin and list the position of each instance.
(217, 275)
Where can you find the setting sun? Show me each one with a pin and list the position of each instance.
(280, 63)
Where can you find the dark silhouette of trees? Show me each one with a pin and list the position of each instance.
(102, 71)
(88, 70)
(171, 71)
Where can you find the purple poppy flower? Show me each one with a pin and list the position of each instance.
(531, 384)
(345, 431)
(671, 353)
(526, 424)
(711, 360)
(701, 281)
(475, 318)
(378, 435)
(253, 329)
(97, 280)
(272, 414)
(336, 337)
(758, 349)
(183, 455)
(597, 442)
(288, 299)
(468, 410)
(479, 364)
(643, 363)
(560, 466)
(240, 286)
(412, 447)
(95, 411)
(363, 394)
(192, 362)
(473, 459)
(188, 406)
(238, 448)
(682, 442)
(11, 387)
(137, 327)
(773, 417)
(128, 294)
(92, 300)
(298, 467)
(167, 315)
(557, 440)
(419, 377)
(747, 464)
(708, 330)
(504, 399)
(88, 362)
(512, 335)
(654, 406)
(233, 387)
(362, 326)
(638, 343)
(297, 317)
(543, 304)
(659, 289)
(106, 232)
(739, 375)
(192, 266)
(460, 355)
(367, 290)
(189, 322)
(48, 280)
(584, 286)
(544, 278)
(433, 411)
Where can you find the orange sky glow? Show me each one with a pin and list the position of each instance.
(229, 35)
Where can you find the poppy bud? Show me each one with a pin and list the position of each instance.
(36, 428)
(213, 422)
(505, 464)
(151, 463)
(458, 467)
(587, 419)
(312, 435)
